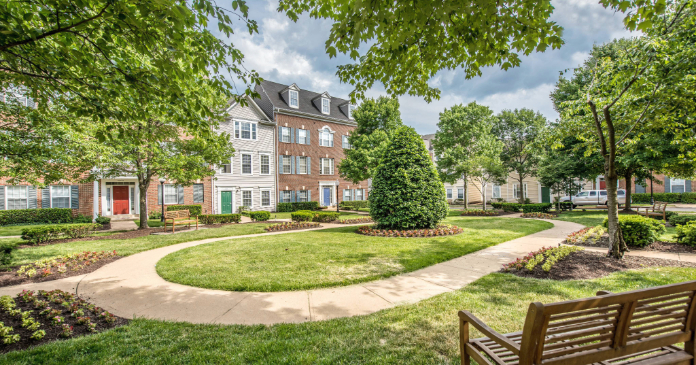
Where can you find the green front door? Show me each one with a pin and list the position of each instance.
(545, 195)
(226, 202)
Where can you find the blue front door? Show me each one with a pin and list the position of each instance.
(327, 196)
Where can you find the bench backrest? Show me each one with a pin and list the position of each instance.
(659, 207)
(175, 214)
(591, 330)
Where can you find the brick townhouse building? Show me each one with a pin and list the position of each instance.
(312, 132)
(669, 185)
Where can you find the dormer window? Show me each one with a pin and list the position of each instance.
(350, 111)
(325, 105)
(294, 99)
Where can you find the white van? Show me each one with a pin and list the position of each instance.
(597, 197)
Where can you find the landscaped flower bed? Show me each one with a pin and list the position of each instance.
(537, 215)
(589, 236)
(480, 212)
(33, 318)
(289, 226)
(63, 264)
(442, 230)
(355, 220)
(547, 257)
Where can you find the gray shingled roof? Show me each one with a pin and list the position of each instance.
(270, 97)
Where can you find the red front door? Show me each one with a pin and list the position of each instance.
(120, 200)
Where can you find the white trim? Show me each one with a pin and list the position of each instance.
(270, 193)
(350, 111)
(328, 105)
(241, 163)
(289, 134)
(261, 165)
(131, 209)
(314, 116)
(333, 198)
(51, 195)
(95, 200)
(220, 190)
(321, 166)
(253, 129)
(297, 98)
(331, 141)
(26, 190)
(297, 168)
(164, 194)
(241, 197)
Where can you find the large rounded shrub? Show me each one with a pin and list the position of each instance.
(406, 190)
(639, 231)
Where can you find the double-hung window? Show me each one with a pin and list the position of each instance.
(285, 196)
(245, 130)
(246, 163)
(516, 191)
(265, 198)
(346, 195)
(302, 136)
(302, 196)
(449, 193)
(678, 185)
(286, 164)
(345, 143)
(171, 194)
(265, 164)
(285, 134)
(496, 192)
(17, 197)
(60, 196)
(326, 138)
(225, 168)
(325, 106)
(351, 109)
(302, 165)
(294, 99)
(460, 193)
(246, 198)
(359, 194)
(327, 166)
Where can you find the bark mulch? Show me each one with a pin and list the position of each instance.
(53, 331)
(9, 278)
(590, 265)
(659, 246)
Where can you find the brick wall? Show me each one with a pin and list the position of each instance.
(315, 152)
(86, 197)
(656, 188)
(207, 205)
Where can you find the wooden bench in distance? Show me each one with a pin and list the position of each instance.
(639, 327)
(659, 209)
(177, 218)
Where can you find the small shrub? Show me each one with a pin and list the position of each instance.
(194, 209)
(686, 233)
(219, 218)
(260, 216)
(81, 218)
(688, 198)
(325, 217)
(289, 226)
(106, 220)
(6, 249)
(587, 236)
(536, 208)
(639, 231)
(293, 207)
(155, 215)
(51, 232)
(356, 220)
(302, 216)
(480, 212)
(549, 256)
(354, 204)
(677, 219)
(508, 207)
(243, 210)
(36, 216)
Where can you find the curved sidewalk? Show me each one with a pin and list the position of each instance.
(131, 287)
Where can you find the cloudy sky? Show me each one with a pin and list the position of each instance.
(287, 52)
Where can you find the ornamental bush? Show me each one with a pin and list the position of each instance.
(194, 209)
(688, 198)
(51, 232)
(260, 216)
(686, 234)
(302, 216)
(293, 207)
(36, 216)
(354, 204)
(677, 219)
(536, 208)
(219, 218)
(325, 217)
(508, 207)
(6, 249)
(639, 231)
(406, 190)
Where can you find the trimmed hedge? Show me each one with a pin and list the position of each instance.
(354, 204)
(688, 198)
(194, 209)
(508, 207)
(52, 232)
(639, 231)
(677, 219)
(34, 216)
(293, 207)
(219, 218)
(103, 220)
(325, 217)
(644, 198)
(260, 216)
(6, 249)
(686, 234)
(302, 216)
(536, 208)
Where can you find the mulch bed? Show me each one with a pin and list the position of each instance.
(658, 246)
(52, 331)
(9, 278)
(590, 265)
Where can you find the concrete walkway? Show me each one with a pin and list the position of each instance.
(131, 287)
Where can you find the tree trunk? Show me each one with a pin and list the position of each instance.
(617, 245)
(143, 204)
(466, 192)
(629, 191)
(521, 188)
(483, 189)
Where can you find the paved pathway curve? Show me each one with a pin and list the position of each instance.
(131, 287)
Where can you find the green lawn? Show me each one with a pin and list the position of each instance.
(15, 230)
(134, 245)
(330, 257)
(591, 219)
(344, 215)
(152, 223)
(421, 333)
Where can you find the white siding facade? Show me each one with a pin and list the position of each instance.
(251, 174)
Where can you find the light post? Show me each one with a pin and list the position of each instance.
(337, 182)
(162, 180)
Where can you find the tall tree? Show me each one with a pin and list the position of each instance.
(637, 89)
(520, 132)
(489, 170)
(463, 143)
(377, 120)
(409, 42)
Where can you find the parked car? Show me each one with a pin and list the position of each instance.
(596, 197)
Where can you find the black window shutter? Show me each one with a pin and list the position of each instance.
(46, 197)
(32, 197)
(75, 197)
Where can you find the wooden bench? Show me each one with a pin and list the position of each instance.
(179, 217)
(658, 209)
(638, 327)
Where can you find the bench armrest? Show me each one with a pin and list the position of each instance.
(491, 333)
